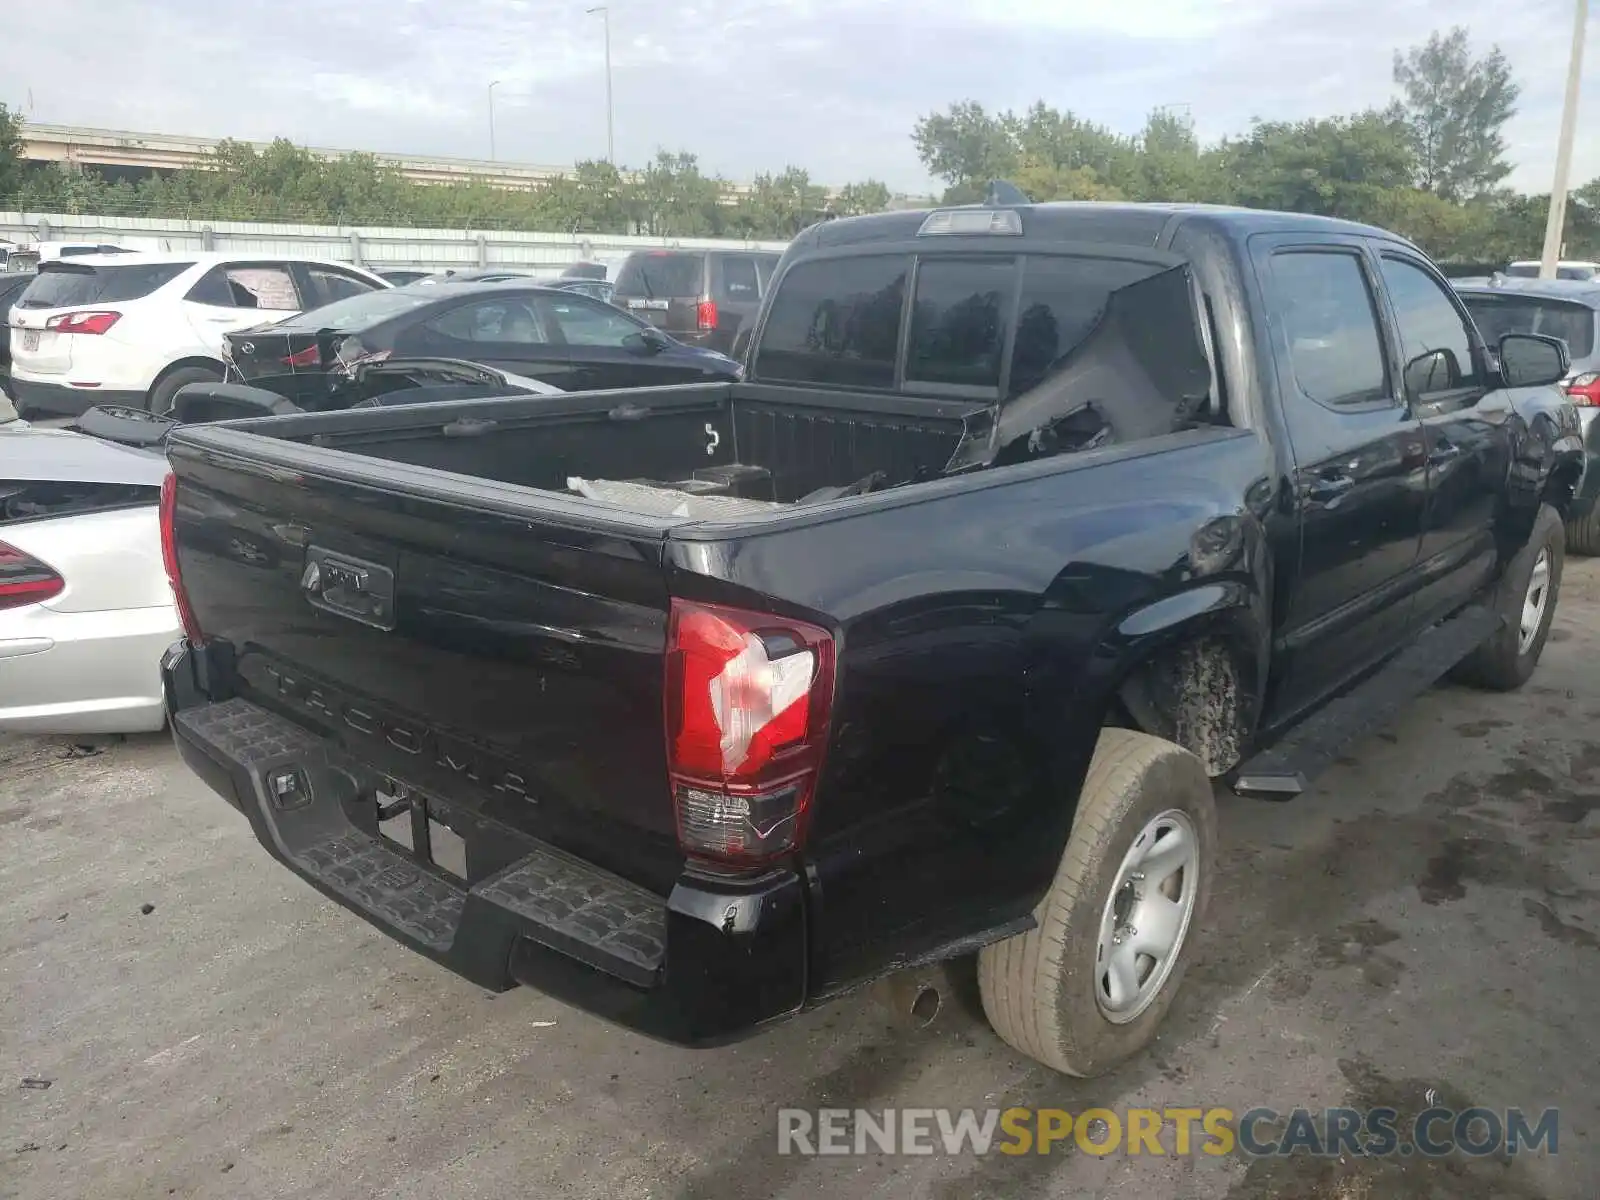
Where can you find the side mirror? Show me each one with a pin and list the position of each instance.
(1434, 371)
(646, 341)
(1533, 359)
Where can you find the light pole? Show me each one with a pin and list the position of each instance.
(492, 85)
(1554, 225)
(611, 129)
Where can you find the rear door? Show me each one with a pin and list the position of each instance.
(240, 295)
(1466, 429)
(1360, 473)
(507, 331)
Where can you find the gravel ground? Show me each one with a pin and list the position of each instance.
(1428, 919)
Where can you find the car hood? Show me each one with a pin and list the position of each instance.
(28, 453)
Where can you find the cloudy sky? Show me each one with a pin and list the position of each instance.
(748, 85)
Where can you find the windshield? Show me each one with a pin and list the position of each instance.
(359, 312)
(659, 274)
(1499, 315)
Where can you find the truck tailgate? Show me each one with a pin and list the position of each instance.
(392, 621)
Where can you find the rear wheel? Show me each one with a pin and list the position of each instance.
(1526, 602)
(1088, 986)
(167, 386)
(1583, 534)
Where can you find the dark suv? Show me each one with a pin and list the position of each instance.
(12, 284)
(701, 297)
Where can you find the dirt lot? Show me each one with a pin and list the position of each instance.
(1427, 919)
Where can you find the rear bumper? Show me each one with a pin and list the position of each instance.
(707, 964)
(69, 401)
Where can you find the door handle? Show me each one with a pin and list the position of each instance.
(1444, 452)
(1325, 489)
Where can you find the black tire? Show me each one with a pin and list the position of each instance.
(1503, 664)
(1042, 989)
(167, 386)
(1583, 534)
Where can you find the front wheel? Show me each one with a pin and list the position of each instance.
(1526, 603)
(1087, 987)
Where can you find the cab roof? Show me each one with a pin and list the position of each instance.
(1149, 225)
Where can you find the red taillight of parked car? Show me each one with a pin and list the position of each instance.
(169, 559)
(1585, 390)
(705, 315)
(24, 579)
(83, 322)
(748, 699)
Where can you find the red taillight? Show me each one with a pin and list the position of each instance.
(309, 357)
(747, 705)
(705, 316)
(83, 322)
(169, 558)
(24, 579)
(1585, 390)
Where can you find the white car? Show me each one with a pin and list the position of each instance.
(85, 607)
(133, 328)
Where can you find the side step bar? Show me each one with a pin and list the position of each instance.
(1286, 768)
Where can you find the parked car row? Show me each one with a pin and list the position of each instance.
(132, 329)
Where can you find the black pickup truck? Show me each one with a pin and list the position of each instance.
(697, 706)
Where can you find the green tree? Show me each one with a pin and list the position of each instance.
(779, 206)
(855, 199)
(11, 162)
(671, 198)
(1336, 166)
(1456, 108)
(966, 145)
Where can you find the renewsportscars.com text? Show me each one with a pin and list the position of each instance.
(1254, 1133)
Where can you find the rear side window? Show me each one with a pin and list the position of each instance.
(1062, 302)
(959, 320)
(739, 280)
(61, 285)
(511, 321)
(247, 286)
(1497, 316)
(837, 322)
(656, 274)
(1332, 326)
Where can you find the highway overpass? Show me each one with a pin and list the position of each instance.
(120, 154)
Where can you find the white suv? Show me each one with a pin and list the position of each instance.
(134, 328)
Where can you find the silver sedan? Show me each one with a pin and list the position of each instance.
(85, 607)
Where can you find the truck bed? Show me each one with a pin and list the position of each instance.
(780, 445)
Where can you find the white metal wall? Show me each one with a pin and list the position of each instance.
(376, 248)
